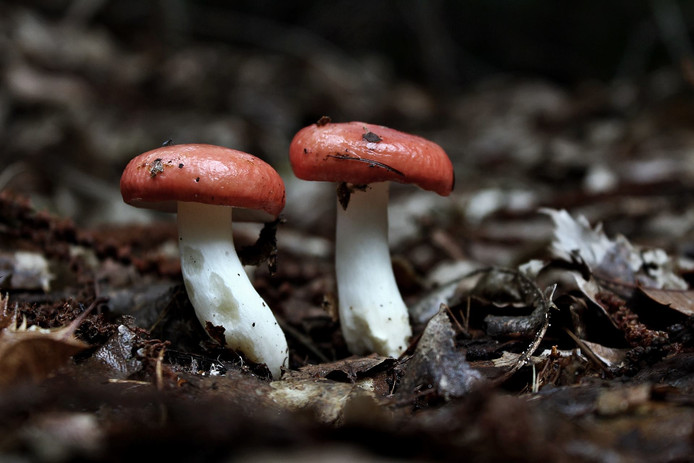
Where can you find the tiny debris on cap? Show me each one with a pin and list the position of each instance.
(324, 120)
(372, 137)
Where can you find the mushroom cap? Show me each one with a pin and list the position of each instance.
(201, 173)
(361, 153)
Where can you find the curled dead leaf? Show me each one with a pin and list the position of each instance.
(615, 261)
(34, 353)
(437, 366)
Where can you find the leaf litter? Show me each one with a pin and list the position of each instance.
(31, 353)
(495, 328)
(606, 376)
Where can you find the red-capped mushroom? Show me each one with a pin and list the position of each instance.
(202, 183)
(373, 316)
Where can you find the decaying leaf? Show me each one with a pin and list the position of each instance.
(497, 287)
(681, 301)
(117, 356)
(610, 356)
(591, 289)
(437, 366)
(34, 353)
(348, 370)
(576, 237)
(615, 261)
(512, 288)
(448, 292)
(326, 399)
(328, 389)
(25, 270)
(429, 304)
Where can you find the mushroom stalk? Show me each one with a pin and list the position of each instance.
(225, 302)
(373, 316)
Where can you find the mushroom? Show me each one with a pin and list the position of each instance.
(363, 158)
(202, 183)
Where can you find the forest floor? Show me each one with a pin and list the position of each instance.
(549, 295)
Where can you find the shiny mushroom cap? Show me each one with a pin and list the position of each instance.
(361, 153)
(201, 173)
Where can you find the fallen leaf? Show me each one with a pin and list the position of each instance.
(25, 270)
(116, 356)
(681, 301)
(575, 236)
(437, 365)
(326, 399)
(447, 292)
(33, 353)
(614, 261)
(347, 370)
(610, 356)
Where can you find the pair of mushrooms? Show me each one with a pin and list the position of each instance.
(203, 182)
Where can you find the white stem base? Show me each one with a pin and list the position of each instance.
(220, 290)
(373, 316)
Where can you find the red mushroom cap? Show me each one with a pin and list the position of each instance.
(361, 153)
(200, 173)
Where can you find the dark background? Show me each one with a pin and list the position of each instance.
(533, 95)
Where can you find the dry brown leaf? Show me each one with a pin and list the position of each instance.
(611, 356)
(34, 353)
(346, 370)
(437, 365)
(681, 301)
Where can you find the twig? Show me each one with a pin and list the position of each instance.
(455, 320)
(589, 353)
(545, 304)
(129, 381)
(159, 369)
(467, 314)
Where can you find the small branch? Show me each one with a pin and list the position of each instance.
(589, 353)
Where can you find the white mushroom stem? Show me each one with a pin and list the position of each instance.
(219, 289)
(373, 316)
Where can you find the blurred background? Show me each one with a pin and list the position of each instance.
(537, 102)
(584, 105)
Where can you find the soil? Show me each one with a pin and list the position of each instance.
(549, 294)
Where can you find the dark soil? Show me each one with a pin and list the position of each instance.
(557, 340)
